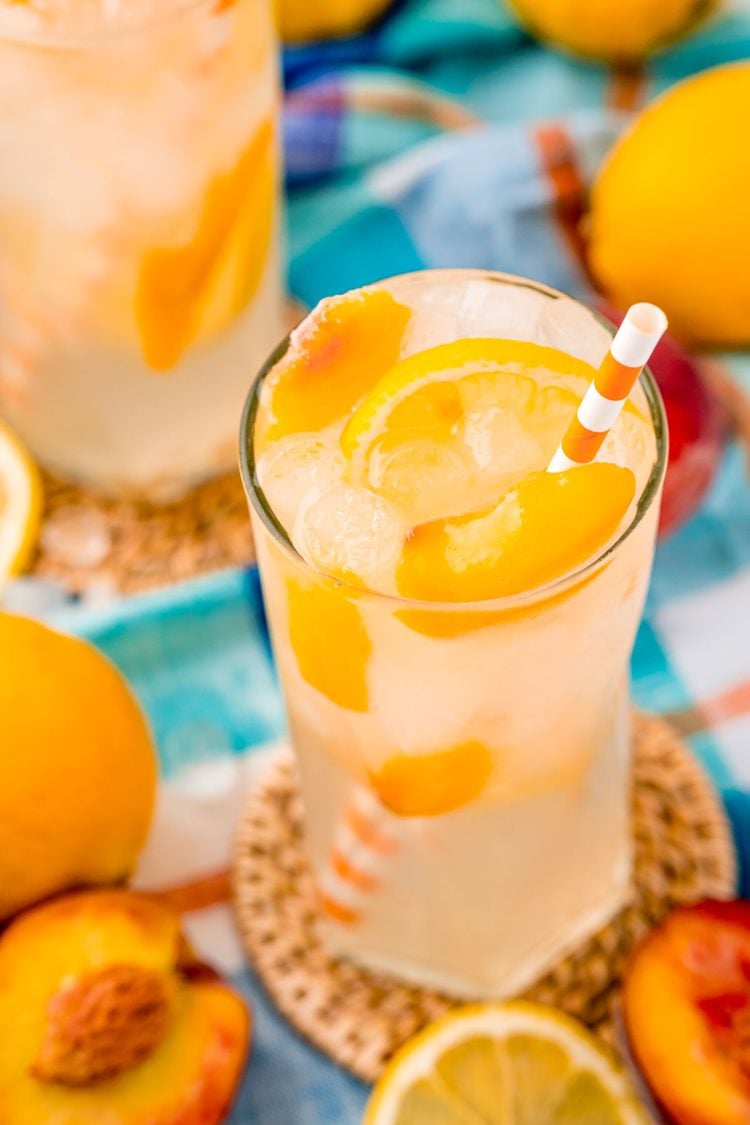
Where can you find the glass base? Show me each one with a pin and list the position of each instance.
(475, 986)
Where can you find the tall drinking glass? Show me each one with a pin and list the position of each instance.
(464, 764)
(139, 274)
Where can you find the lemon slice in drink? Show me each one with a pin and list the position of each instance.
(504, 1064)
(452, 427)
(431, 390)
(20, 504)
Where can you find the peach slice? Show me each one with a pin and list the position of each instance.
(330, 641)
(436, 783)
(109, 1018)
(547, 526)
(334, 358)
(686, 1004)
(192, 291)
(443, 624)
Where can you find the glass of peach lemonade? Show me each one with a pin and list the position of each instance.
(138, 214)
(452, 624)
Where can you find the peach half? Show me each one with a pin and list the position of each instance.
(108, 1019)
(686, 1003)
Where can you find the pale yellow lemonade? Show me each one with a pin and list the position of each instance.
(452, 624)
(139, 273)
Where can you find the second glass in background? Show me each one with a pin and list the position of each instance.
(139, 215)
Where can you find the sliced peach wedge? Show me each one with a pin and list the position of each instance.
(334, 358)
(442, 781)
(330, 641)
(192, 290)
(545, 527)
(108, 1018)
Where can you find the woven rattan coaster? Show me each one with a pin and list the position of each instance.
(119, 546)
(683, 852)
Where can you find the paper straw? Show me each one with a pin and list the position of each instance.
(366, 838)
(640, 332)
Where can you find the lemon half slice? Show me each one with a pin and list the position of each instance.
(20, 504)
(511, 1063)
(432, 388)
(451, 429)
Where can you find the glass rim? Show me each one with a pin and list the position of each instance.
(508, 602)
(105, 32)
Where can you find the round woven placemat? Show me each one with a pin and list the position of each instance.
(120, 545)
(683, 853)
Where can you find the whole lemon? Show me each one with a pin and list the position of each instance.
(670, 209)
(301, 21)
(618, 32)
(77, 766)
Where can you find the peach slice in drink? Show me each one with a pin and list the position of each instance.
(330, 643)
(194, 289)
(544, 528)
(339, 353)
(435, 783)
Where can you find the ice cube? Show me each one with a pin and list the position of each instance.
(502, 448)
(454, 307)
(19, 20)
(425, 479)
(34, 597)
(351, 532)
(290, 469)
(74, 16)
(78, 537)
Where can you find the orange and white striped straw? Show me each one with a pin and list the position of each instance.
(632, 348)
(365, 840)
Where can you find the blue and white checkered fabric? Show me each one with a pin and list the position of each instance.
(419, 144)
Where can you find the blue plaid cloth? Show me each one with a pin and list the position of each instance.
(420, 144)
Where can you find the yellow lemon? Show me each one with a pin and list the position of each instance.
(670, 221)
(300, 21)
(414, 437)
(430, 391)
(77, 768)
(20, 504)
(504, 1064)
(621, 32)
